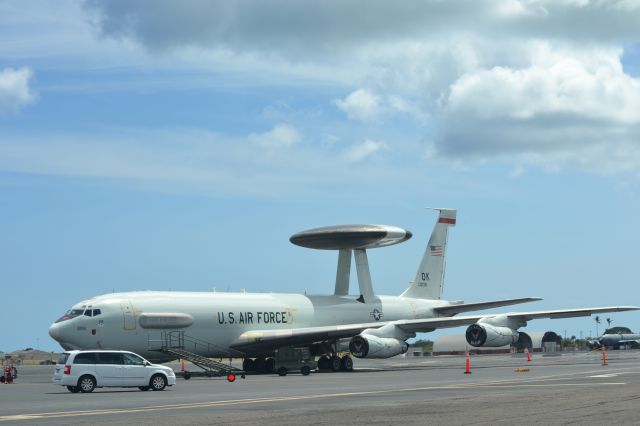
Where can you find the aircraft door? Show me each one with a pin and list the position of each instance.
(128, 316)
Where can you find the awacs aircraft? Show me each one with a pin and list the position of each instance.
(254, 325)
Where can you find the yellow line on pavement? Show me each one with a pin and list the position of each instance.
(62, 414)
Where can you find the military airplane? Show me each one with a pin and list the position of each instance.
(616, 341)
(254, 325)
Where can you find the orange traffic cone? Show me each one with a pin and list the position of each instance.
(604, 356)
(467, 365)
(182, 367)
(528, 354)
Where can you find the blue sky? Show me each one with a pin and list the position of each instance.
(163, 145)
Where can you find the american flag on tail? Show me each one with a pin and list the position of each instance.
(436, 250)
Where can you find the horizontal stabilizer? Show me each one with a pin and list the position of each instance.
(470, 307)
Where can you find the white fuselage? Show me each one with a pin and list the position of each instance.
(218, 318)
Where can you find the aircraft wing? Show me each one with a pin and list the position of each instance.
(427, 325)
(266, 339)
(467, 307)
(271, 339)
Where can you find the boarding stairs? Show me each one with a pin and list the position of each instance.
(175, 344)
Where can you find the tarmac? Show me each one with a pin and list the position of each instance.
(572, 388)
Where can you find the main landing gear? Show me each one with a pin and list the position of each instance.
(325, 363)
(335, 363)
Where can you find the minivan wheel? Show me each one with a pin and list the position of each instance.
(305, 370)
(73, 389)
(144, 388)
(86, 384)
(158, 382)
(282, 371)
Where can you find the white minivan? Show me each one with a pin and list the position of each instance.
(83, 371)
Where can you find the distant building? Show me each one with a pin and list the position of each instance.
(416, 351)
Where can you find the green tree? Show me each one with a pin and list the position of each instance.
(618, 330)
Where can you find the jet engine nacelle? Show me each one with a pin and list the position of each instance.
(485, 335)
(367, 346)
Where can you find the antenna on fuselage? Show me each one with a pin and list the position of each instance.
(347, 239)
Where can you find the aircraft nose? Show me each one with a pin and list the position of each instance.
(54, 331)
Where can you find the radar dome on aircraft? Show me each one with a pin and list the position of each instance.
(350, 237)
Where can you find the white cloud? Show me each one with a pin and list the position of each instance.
(364, 150)
(534, 81)
(588, 84)
(360, 105)
(282, 135)
(333, 27)
(15, 92)
(568, 109)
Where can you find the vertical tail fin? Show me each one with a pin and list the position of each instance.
(429, 279)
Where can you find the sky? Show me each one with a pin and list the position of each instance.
(156, 145)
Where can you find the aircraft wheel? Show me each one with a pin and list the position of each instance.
(305, 370)
(73, 389)
(346, 364)
(248, 364)
(259, 365)
(269, 365)
(282, 371)
(335, 363)
(323, 363)
(186, 375)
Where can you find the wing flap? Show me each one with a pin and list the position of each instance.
(570, 313)
(469, 307)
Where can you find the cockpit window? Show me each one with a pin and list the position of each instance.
(87, 313)
(96, 312)
(71, 313)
